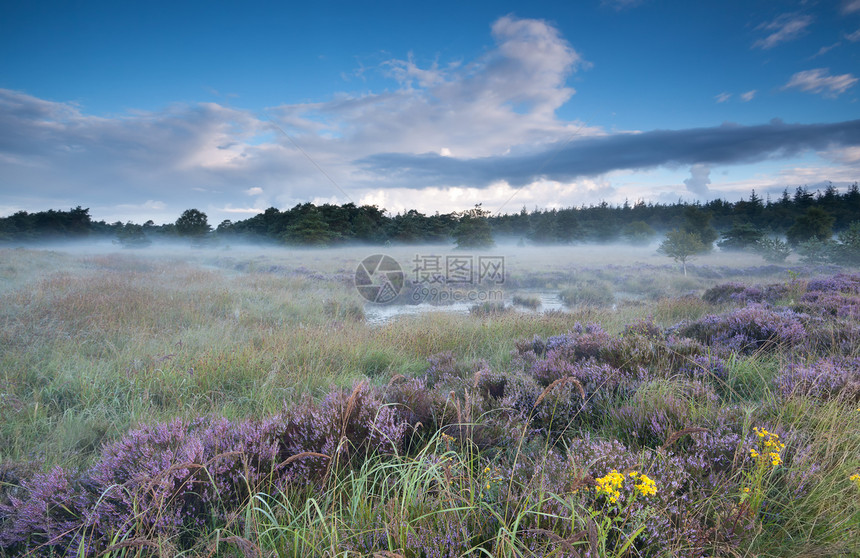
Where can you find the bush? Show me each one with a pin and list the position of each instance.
(773, 250)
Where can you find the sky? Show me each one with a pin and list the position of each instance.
(140, 110)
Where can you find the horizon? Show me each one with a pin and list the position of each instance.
(137, 115)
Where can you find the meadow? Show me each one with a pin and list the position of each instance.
(177, 402)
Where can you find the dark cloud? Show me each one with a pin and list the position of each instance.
(722, 145)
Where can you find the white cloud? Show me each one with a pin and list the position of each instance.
(205, 155)
(700, 177)
(723, 97)
(851, 6)
(825, 49)
(855, 36)
(748, 96)
(818, 80)
(786, 27)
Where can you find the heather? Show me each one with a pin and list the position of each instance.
(243, 407)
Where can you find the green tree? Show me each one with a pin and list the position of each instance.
(681, 246)
(740, 237)
(639, 232)
(193, 223)
(698, 222)
(131, 235)
(473, 229)
(815, 224)
(310, 228)
(847, 252)
(773, 250)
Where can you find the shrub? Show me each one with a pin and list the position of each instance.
(594, 293)
(827, 378)
(748, 329)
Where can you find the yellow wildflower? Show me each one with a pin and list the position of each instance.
(856, 478)
(646, 486)
(610, 485)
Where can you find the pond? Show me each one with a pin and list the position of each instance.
(382, 313)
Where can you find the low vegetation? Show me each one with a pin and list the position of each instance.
(238, 405)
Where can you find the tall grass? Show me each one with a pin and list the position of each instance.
(94, 345)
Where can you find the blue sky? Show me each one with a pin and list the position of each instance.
(140, 111)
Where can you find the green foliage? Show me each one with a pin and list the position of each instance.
(741, 237)
(815, 224)
(698, 222)
(639, 232)
(132, 236)
(847, 252)
(192, 223)
(681, 246)
(591, 293)
(473, 230)
(815, 251)
(310, 228)
(773, 250)
(600, 222)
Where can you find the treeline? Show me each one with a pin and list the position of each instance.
(741, 223)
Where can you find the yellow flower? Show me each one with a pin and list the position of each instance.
(646, 486)
(856, 478)
(753, 453)
(747, 489)
(610, 485)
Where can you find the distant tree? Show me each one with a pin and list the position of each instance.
(681, 246)
(225, 227)
(544, 227)
(847, 252)
(310, 228)
(639, 232)
(568, 227)
(816, 252)
(698, 222)
(740, 237)
(473, 229)
(815, 224)
(773, 250)
(192, 223)
(132, 236)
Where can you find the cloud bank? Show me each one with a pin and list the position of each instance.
(722, 145)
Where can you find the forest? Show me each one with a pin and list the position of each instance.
(797, 217)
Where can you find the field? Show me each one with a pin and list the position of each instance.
(240, 402)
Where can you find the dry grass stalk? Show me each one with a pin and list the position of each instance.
(561, 382)
(302, 455)
(675, 436)
(396, 379)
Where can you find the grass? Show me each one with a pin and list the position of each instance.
(96, 344)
